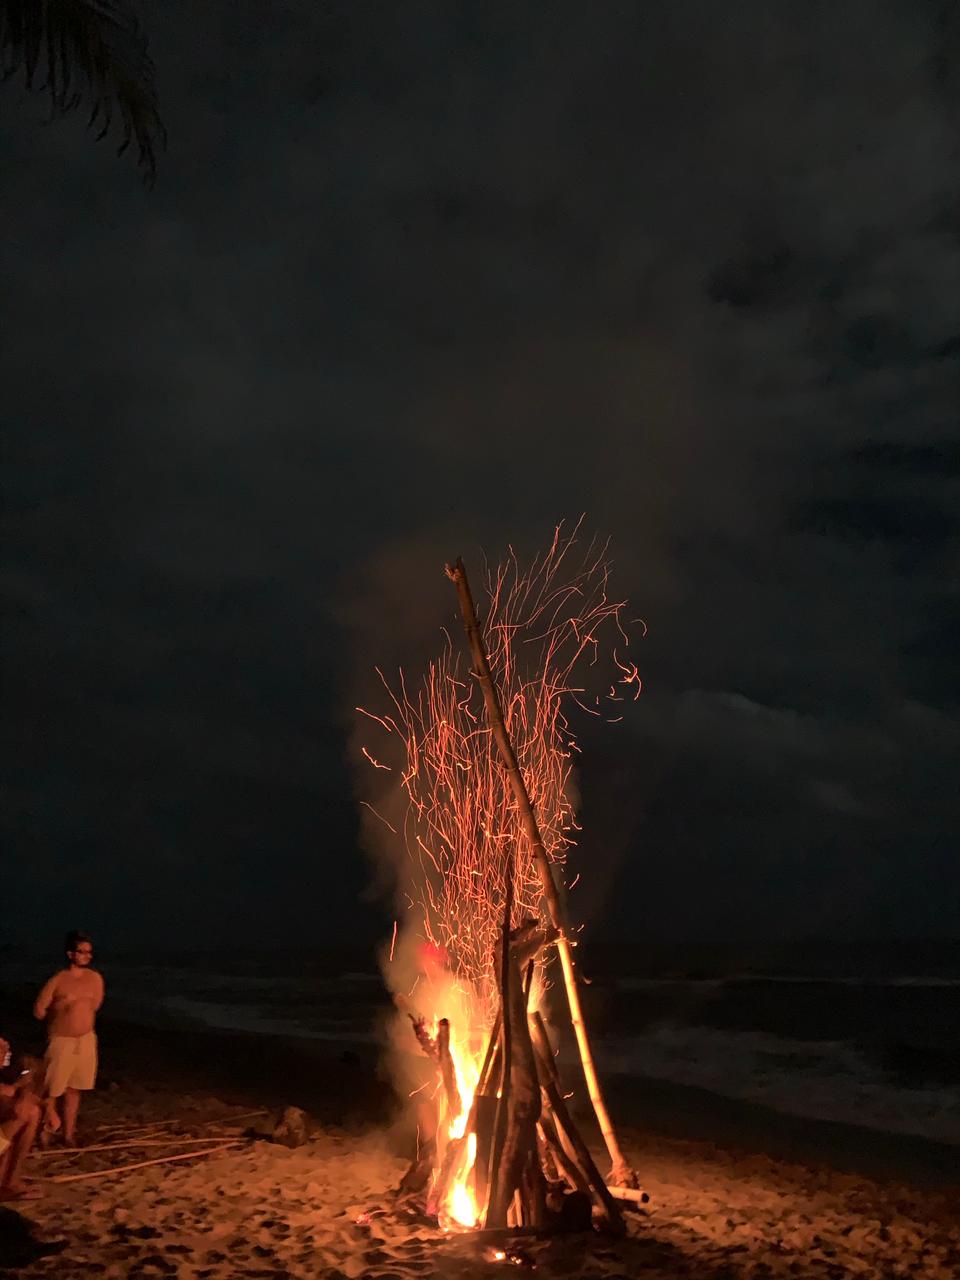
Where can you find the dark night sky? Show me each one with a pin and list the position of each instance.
(419, 277)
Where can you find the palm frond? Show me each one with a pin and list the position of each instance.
(92, 51)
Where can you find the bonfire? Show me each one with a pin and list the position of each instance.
(484, 755)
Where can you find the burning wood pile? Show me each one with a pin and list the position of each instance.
(488, 817)
(511, 1155)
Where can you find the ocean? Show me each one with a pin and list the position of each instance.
(865, 1035)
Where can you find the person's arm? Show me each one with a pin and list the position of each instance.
(101, 992)
(45, 999)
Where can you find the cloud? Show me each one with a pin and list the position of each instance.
(413, 283)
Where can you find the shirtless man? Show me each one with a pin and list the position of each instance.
(69, 1003)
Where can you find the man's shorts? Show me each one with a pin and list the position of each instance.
(71, 1063)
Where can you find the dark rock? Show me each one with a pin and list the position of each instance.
(290, 1129)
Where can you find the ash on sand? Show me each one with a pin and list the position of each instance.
(320, 1212)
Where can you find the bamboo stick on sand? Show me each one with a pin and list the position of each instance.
(130, 1131)
(142, 1164)
(133, 1142)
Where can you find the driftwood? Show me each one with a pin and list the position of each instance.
(516, 1173)
(544, 1051)
(573, 1143)
(533, 1189)
(143, 1164)
(564, 1159)
(497, 1202)
(547, 1161)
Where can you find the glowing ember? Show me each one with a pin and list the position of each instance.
(543, 630)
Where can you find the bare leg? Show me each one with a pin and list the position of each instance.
(22, 1132)
(71, 1105)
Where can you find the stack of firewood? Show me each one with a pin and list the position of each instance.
(532, 1167)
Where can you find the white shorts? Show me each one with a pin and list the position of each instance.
(71, 1063)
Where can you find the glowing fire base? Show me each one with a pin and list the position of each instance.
(508, 1153)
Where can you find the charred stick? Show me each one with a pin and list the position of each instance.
(496, 1215)
(547, 1162)
(573, 1174)
(524, 1102)
(447, 1069)
(493, 1046)
(424, 1038)
(541, 1042)
(569, 1129)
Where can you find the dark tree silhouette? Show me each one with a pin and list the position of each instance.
(91, 53)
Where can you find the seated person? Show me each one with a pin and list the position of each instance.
(20, 1116)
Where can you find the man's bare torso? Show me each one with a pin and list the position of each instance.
(72, 1000)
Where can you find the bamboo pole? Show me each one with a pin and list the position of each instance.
(142, 1164)
(134, 1142)
(621, 1171)
(129, 1131)
(630, 1195)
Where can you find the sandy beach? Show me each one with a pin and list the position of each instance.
(734, 1191)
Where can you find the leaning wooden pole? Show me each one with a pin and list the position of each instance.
(621, 1172)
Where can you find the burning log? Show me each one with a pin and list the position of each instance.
(480, 1123)
(425, 1040)
(522, 1103)
(506, 1146)
(448, 1071)
(496, 1201)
